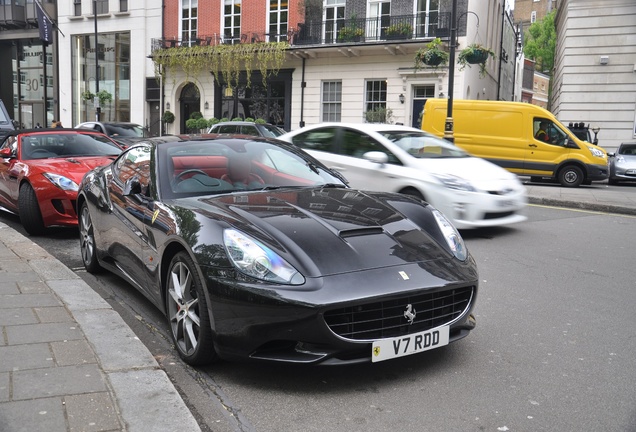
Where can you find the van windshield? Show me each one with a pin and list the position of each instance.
(424, 146)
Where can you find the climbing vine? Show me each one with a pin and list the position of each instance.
(224, 61)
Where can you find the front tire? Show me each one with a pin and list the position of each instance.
(29, 208)
(87, 241)
(571, 176)
(188, 312)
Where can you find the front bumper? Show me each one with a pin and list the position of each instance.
(597, 172)
(252, 322)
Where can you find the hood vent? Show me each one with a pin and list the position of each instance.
(360, 232)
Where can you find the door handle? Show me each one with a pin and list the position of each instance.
(532, 145)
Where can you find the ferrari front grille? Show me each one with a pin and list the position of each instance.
(397, 317)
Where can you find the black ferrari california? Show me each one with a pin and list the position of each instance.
(255, 250)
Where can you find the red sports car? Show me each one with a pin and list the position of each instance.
(41, 170)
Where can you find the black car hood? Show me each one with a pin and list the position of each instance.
(331, 230)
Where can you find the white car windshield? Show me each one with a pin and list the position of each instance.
(424, 146)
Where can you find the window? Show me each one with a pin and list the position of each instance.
(189, 13)
(278, 17)
(533, 16)
(77, 7)
(232, 20)
(380, 14)
(375, 95)
(427, 17)
(123, 5)
(101, 6)
(334, 19)
(331, 101)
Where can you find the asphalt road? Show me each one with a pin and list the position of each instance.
(553, 349)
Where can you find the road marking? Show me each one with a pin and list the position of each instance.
(583, 210)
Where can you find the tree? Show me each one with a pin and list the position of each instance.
(540, 43)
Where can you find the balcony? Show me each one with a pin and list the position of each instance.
(12, 15)
(373, 30)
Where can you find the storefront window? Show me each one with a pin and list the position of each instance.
(111, 63)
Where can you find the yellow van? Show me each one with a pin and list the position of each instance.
(523, 138)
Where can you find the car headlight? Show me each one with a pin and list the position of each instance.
(453, 239)
(596, 152)
(454, 182)
(62, 182)
(257, 260)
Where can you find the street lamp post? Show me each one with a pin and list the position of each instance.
(96, 101)
(448, 126)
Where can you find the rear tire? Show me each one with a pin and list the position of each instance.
(571, 176)
(188, 312)
(87, 241)
(29, 209)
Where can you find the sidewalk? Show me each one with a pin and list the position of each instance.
(68, 362)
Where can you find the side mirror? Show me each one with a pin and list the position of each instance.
(376, 157)
(6, 152)
(132, 186)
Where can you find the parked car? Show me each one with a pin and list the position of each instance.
(623, 164)
(247, 128)
(6, 123)
(41, 170)
(256, 251)
(124, 133)
(470, 191)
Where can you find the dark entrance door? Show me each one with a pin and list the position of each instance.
(190, 102)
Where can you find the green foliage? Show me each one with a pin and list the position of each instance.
(212, 121)
(249, 119)
(224, 119)
(350, 33)
(260, 121)
(224, 61)
(201, 123)
(104, 96)
(379, 115)
(400, 29)
(167, 117)
(540, 43)
(87, 95)
(191, 124)
(432, 55)
(475, 54)
(196, 115)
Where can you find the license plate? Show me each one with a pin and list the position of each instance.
(401, 346)
(506, 203)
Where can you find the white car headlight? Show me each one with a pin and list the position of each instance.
(454, 182)
(257, 260)
(452, 236)
(596, 152)
(62, 182)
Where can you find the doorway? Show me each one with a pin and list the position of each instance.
(189, 102)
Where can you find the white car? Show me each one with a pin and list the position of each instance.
(470, 191)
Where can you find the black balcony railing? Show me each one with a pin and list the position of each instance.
(353, 30)
(357, 30)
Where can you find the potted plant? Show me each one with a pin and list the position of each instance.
(87, 95)
(399, 31)
(350, 34)
(167, 117)
(431, 55)
(474, 54)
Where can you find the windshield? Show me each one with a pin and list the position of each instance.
(223, 166)
(424, 146)
(127, 130)
(272, 131)
(65, 145)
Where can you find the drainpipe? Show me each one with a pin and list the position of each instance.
(303, 84)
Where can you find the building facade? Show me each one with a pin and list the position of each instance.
(345, 60)
(595, 67)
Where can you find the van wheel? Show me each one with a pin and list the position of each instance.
(571, 176)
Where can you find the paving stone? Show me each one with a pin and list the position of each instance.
(41, 415)
(11, 301)
(9, 288)
(91, 412)
(74, 352)
(19, 277)
(48, 332)
(77, 295)
(33, 287)
(57, 381)
(24, 357)
(53, 314)
(15, 266)
(17, 316)
(4, 388)
(51, 269)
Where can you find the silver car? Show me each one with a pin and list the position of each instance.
(623, 164)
